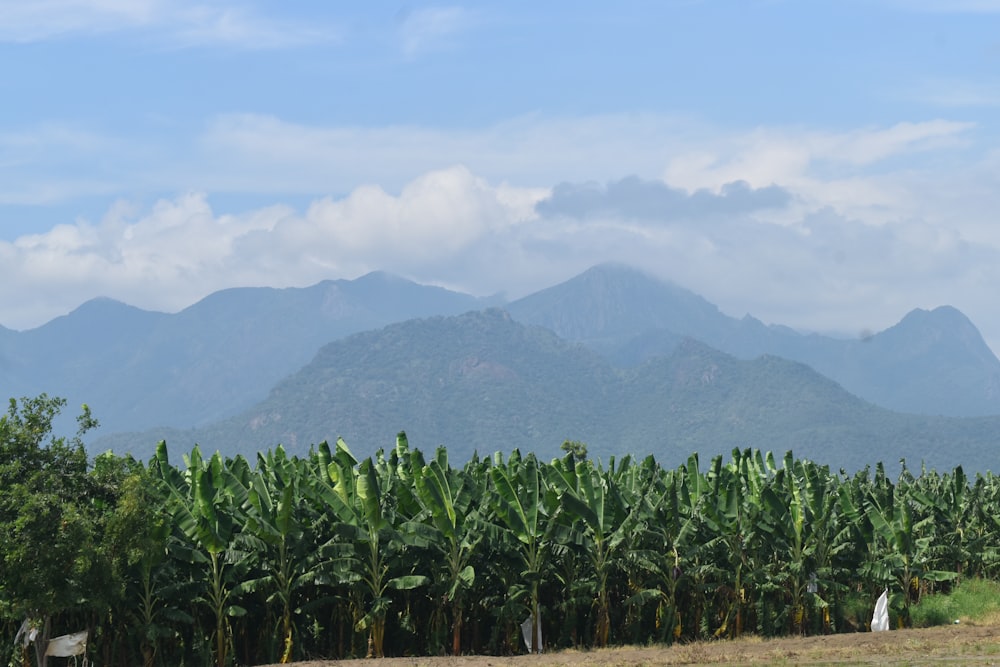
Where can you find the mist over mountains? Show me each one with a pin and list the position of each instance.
(931, 362)
(614, 358)
(139, 369)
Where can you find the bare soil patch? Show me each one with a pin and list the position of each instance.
(965, 644)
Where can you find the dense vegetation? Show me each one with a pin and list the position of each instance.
(481, 378)
(229, 561)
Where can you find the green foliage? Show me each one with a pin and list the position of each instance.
(971, 600)
(49, 522)
(451, 524)
(220, 561)
(56, 549)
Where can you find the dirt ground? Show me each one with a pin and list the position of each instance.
(965, 644)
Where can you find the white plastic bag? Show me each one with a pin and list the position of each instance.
(880, 619)
(526, 633)
(67, 645)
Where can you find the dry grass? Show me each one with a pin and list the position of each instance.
(991, 618)
(964, 644)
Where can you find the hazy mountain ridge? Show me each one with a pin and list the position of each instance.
(137, 369)
(484, 382)
(460, 379)
(224, 354)
(931, 362)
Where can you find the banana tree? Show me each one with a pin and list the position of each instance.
(731, 510)
(205, 502)
(802, 523)
(278, 514)
(524, 504)
(596, 518)
(958, 518)
(984, 526)
(363, 503)
(909, 552)
(137, 534)
(668, 529)
(451, 525)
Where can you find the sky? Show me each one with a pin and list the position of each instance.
(828, 165)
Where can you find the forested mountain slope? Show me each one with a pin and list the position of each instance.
(484, 382)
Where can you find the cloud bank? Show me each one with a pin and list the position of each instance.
(834, 231)
(768, 249)
(634, 199)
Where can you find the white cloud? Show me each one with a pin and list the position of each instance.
(262, 154)
(949, 6)
(956, 94)
(44, 19)
(768, 155)
(180, 250)
(48, 137)
(840, 169)
(870, 145)
(431, 28)
(265, 153)
(435, 217)
(176, 22)
(235, 26)
(452, 227)
(875, 221)
(38, 164)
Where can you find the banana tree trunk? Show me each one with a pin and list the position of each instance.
(218, 599)
(456, 630)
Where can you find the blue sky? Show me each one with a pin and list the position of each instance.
(825, 164)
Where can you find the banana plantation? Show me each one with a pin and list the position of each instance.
(226, 561)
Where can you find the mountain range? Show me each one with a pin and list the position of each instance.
(931, 362)
(614, 358)
(138, 369)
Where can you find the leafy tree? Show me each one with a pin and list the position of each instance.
(136, 538)
(50, 560)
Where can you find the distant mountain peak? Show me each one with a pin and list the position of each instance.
(611, 300)
(940, 316)
(381, 278)
(614, 269)
(623, 277)
(101, 309)
(944, 324)
(101, 302)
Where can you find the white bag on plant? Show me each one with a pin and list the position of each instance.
(880, 619)
(533, 647)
